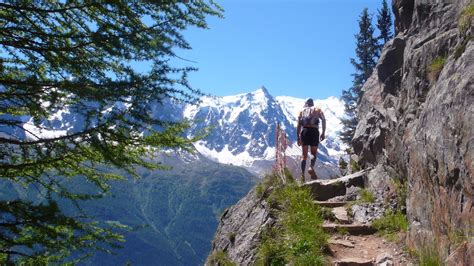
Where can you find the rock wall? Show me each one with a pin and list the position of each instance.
(240, 226)
(417, 123)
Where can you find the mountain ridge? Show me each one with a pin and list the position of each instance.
(243, 129)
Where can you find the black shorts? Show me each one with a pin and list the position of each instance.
(310, 136)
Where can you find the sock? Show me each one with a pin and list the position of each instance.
(313, 161)
(303, 166)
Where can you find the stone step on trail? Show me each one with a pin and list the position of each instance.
(326, 189)
(352, 229)
(340, 213)
(329, 204)
(353, 262)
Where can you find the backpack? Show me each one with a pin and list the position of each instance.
(309, 117)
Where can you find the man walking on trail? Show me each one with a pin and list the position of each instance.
(308, 134)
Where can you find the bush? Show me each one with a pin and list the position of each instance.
(342, 164)
(220, 258)
(355, 166)
(434, 69)
(466, 18)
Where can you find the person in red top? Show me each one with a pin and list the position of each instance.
(308, 135)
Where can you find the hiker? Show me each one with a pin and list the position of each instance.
(308, 134)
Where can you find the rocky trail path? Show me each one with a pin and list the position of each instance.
(352, 243)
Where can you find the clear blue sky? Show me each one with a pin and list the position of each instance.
(298, 48)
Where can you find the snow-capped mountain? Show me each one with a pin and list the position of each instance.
(244, 125)
(242, 128)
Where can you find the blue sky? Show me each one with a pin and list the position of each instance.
(298, 48)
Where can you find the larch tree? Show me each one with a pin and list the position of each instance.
(79, 58)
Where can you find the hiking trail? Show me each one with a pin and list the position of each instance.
(352, 243)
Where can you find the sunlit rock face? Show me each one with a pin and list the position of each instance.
(417, 123)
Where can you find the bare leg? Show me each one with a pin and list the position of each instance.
(303, 162)
(312, 171)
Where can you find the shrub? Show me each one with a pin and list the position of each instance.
(220, 258)
(435, 67)
(466, 18)
(342, 164)
(366, 196)
(355, 166)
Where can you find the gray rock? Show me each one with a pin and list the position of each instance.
(240, 227)
(384, 259)
(417, 125)
(367, 212)
(327, 189)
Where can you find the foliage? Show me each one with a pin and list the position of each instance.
(435, 67)
(366, 196)
(428, 255)
(367, 54)
(460, 50)
(342, 164)
(466, 18)
(402, 193)
(63, 57)
(175, 212)
(391, 223)
(220, 258)
(327, 214)
(298, 237)
(354, 166)
(384, 24)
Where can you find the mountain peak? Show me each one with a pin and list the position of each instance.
(261, 94)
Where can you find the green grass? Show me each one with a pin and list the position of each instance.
(402, 192)
(298, 237)
(355, 166)
(435, 67)
(390, 224)
(460, 50)
(366, 196)
(220, 258)
(327, 214)
(428, 255)
(466, 18)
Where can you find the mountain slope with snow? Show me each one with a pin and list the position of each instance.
(244, 125)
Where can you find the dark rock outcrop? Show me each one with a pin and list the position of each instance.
(238, 234)
(327, 189)
(418, 126)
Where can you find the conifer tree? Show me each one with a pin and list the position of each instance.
(78, 58)
(367, 55)
(384, 24)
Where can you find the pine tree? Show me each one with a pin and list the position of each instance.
(367, 55)
(75, 57)
(384, 24)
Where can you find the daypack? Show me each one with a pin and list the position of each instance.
(309, 117)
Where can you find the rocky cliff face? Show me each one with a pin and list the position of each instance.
(240, 227)
(417, 122)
